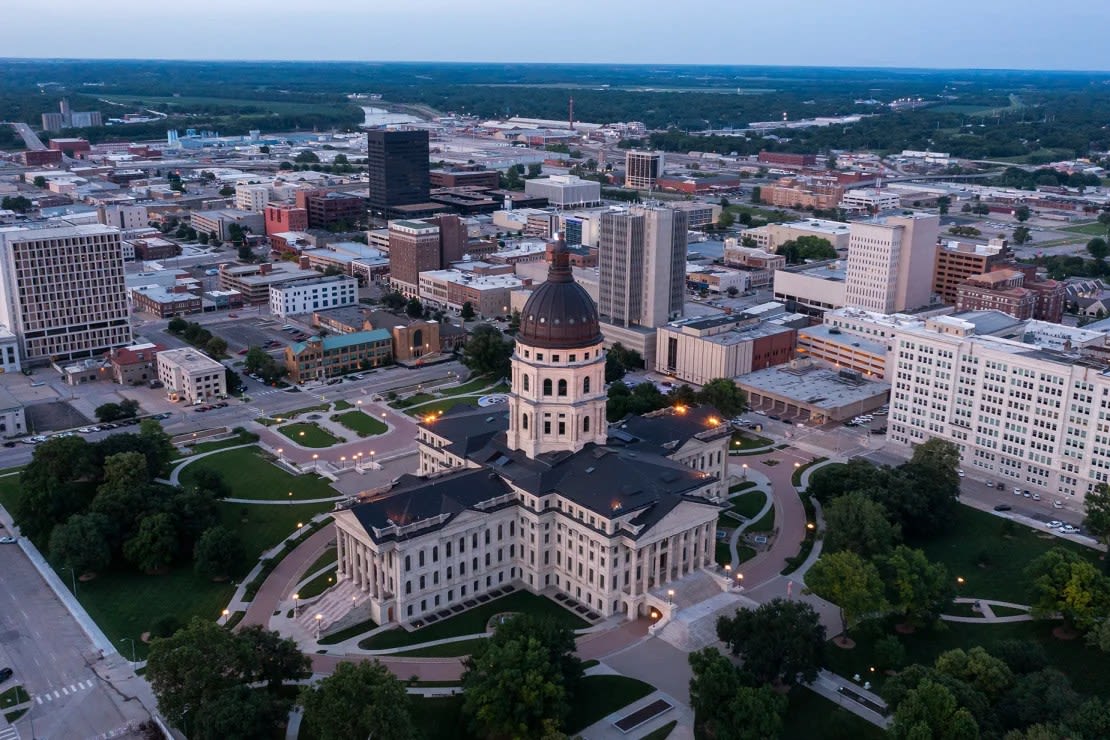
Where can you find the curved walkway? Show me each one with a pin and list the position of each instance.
(175, 474)
(734, 540)
(986, 607)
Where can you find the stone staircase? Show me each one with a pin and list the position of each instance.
(333, 605)
(695, 627)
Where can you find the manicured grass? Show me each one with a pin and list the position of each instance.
(239, 439)
(722, 554)
(1091, 229)
(329, 557)
(662, 733)
(124, 603)
(342, 405)
(250, 475)
(348, 632)
(10, 493)
(446, 650)
(1007, 611)
(263, 527)
(745, 441)
(11, 717)
(765, 523)
(742, 486)
(976, 535)
(599, 696)
(796, 476)
(470, 386)
(745, 553)
(308, 435)
(748, 505)
(473, 621)
(1086, 667)
(814, 717)
(362, 424)
(14, 695)
(317, 585)
(306, 410)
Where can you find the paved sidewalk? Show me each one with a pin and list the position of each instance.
(175, 474)
(604, 729)
(986, 609)
(833, 687)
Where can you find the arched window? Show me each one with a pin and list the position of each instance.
(586, 424)
(586, 384)
(525, 380)
(562, 387)
(524, 421)
(547, 386)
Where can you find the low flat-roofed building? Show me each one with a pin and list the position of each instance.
(772, 236)
(697, 350)
(306, 296)
(565, 191)
(216, 223)
(318, 358)
(135, 365)
(154, 248)
(870, 200)
(412, 338)
(191, 375)
(716, 279)
(165, 302)
(758, 263)
(254, 281)
(13, 420)
(488, 295)
(10, 360)
(698, 215)
(834, 347)
(812, 289)
(805, 391)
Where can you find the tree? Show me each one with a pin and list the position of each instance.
(218, 553)
(394, 301)
(487, 351)
(977, 668)
(80, 544)
(890, 653)
(270, 659)
(855, 522)
(725, 220)
(1042, 696)
(756, 194)
(177, 325)
(1098, 248)
(926, 503)
(732, 291)
(1022, 235)
(807, 248)
(255, 359)
(17, 203)
(931, 711)
(467, 312)
(514, 321)
(414, 309)
(944, 202)
(216, 346)
(1096, 509)
(1064, 582)
(851, 583)
(154, 546)
(520, 682)
(227, 191)
(239, 712)
(1022, 213)
(1090, 719)
(306, 157)
(780, 641)
(233, 380)
(359, 700)
(58, 483)
(726, 706)
(723, 395)
(245, 253)
(918, 588)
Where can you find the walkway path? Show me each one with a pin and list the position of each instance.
(175, 474)
(763, 487)
(605, 729)
(987, 611)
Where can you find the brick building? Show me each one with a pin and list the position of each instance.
(326, 208)
(327, 357)
(283, 218)
(134, 365)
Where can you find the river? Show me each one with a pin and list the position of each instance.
(382, 117)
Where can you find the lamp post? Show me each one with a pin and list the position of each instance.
(132, 641)
(371, 459)
(342, 462)
(280, 458)
(740, 581)
(296, 604)
(319, 618)
(225, 614)
(744, 467)
(315, 462)
(670, 596)
(728, 570)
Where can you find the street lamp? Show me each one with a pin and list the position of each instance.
(296, 604)
(371, 458)
(225, 614)
(132, 641)
(280, 458)
(315, 462)
(745, 468)
(740, 581)
(319, 618)
(342, 462)
(670, 595)
(728, 569)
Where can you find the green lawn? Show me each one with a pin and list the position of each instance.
(662, 733)
(9, 492)
(14, 695)
(252, 476)
(473, 621)
(308, 434)
(796, 476)
(1093, 228)
(263, 527)
(722, 554)
(599, 696)
(765, 523)
(745, 441)
(342, 405)
(745, 553)
(814, 717)
(470, 386)
(362, 424)
(238, 439)
(317, 585)
(1086, 667)
(748, 505)
(348, 632)
(329, 557)
(442, 406)
(446, 650)
(977, 536)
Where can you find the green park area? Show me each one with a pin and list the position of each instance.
(309, 434)
(745, 442)
(361, 423)
(250, 475)
(473, 621)
(1094, 228)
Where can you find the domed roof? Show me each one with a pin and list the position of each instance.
(560, 313)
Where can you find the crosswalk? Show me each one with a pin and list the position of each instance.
(53, 694)
(9, 733)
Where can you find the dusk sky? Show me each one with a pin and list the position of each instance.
(1065, 34)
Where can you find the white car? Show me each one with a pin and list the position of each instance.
(1055, 524)
(960, 473)
(1036, 497)
(1068, 529)
(1017, 491)
(85, 430)
(1057, 504)
(7, 540)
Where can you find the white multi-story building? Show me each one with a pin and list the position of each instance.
(542, 495)
(890, 262)
(124, 217)
(772, 236)
(191, 375)
(565, 191)
(306, 296)
(1020, 412)
(642, 265)
(62, 291)
(870, 200)
(253, 196)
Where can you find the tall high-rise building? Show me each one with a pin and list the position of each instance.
(398, 169)
(642, 169)
(62, 291)
(413, 249)
(642, 266)
(890, 262)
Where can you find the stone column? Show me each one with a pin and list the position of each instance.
(339, 555)
(656, 563)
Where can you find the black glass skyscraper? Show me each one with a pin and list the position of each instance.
(398, 169)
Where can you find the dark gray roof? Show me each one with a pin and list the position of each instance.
(469, 428)
(668, 429)
(414, 499)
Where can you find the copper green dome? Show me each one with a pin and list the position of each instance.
(560, 313)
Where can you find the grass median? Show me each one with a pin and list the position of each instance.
(309, 434)
(252, 476)
(361, 423)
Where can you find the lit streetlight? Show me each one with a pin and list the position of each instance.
(296, 604)
(319, 619)
(745, 469)
(280, 458)
(670, 595)
(315, 462)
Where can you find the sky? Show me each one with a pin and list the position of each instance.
(1011, 34)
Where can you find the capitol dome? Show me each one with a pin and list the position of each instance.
(560, 313)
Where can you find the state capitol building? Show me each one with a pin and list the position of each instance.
(541, 493)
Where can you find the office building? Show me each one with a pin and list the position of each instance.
(700, 349)
(135, 365)
(451, 289)
(217, 223)
(642, 264)
(252, 196)
(413, 249)
(123, 217)
(164, 302)
(1028, 411)
(319, 358)
(62, 291)
(13, 419)
(870, 200)
(642, 169)
(811, 289)
(284, 218)
(772, 236)
(957, 261)
(565, 191)
(1014, 291)
(306, 296)
(759, 264)
(328, 208)
(539, 496)
(890, 262)
(809, 191)
(191, 376)
(398, 169)
(253, 282)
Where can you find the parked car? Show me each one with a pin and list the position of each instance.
(960, 473)
(1057, 504)
(7, 540)
(1036, 497)
(1068, 529)
(10, 443)
(1003, 507)
(1055, 524)
(5, 674)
